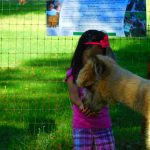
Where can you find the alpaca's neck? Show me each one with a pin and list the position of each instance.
(132, 91)
(136, 106)
(148, 131)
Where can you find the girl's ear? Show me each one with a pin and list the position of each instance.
(110, 53)
(98, 66)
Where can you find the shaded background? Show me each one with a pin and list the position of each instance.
(35, 108)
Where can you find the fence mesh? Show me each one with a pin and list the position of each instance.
(34, 104)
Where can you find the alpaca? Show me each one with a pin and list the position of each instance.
(107, 82)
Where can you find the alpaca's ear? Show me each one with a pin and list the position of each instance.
(98, 66)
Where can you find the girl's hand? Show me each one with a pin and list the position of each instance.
(81, 106)
(86, 110)
(93, 114)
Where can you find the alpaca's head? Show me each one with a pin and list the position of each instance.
(95, 69)
(90, 77)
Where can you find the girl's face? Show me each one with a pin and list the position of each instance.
(86, 55)
(91, 51)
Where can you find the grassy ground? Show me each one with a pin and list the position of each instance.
(34, 104)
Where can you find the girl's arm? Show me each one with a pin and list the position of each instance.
(74, 95)
(75, 99)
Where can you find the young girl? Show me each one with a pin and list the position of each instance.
(91, 131)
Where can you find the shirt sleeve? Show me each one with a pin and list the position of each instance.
(69, 74)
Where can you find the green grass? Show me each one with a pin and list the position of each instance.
(34, 103)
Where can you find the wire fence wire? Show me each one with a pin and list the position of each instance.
(34, 103)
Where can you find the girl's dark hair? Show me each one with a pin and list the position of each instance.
(88, 36)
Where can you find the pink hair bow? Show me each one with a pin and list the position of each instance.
(104, 42)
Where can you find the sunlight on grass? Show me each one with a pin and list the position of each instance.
(35, 106)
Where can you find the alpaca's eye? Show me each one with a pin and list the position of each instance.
(88, 87)
(85, 83)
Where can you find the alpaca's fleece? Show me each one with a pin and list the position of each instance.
(107, 82)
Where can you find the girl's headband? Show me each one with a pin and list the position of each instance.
(103, 43)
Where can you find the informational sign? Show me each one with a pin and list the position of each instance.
(116, 17)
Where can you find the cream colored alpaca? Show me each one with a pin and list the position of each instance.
(107, 81)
